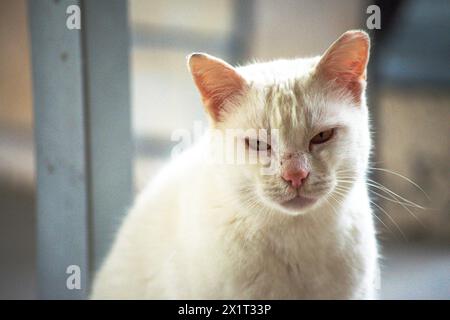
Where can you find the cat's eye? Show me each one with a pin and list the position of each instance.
(257, 145)
(322, 137)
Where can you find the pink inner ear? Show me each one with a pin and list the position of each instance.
(216, 81)
(345, 62)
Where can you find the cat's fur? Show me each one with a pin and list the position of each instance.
(203, 230)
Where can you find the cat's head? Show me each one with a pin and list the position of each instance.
(317, 107)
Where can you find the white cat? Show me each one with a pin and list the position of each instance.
(204, 230)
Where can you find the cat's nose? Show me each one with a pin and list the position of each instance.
(295, 177)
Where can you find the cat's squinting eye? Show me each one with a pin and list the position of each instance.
(257, 145)
(322, 137)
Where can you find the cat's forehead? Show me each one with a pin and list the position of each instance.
(294, 104)
(290, 99)
(278, 71)
(287, 106)
(286, 96)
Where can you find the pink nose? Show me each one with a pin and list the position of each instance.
(295, 177)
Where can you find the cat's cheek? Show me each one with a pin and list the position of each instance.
(321, 153)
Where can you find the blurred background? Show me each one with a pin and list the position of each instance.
(409, 95)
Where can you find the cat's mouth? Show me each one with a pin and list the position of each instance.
(299, 202)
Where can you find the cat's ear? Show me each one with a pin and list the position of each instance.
(217, 82)
(345, 62)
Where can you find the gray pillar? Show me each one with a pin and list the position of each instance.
(83, 137)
